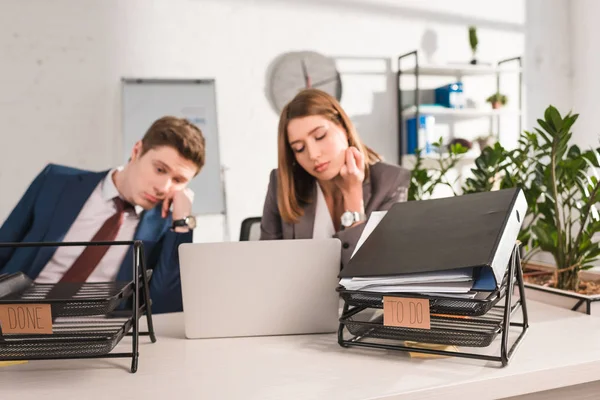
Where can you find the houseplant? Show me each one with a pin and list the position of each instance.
(424, 181)
(497, 100)
(567, 217)
(562, 188)
(473, 42)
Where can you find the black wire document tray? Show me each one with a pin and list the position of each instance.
(459, 322)
(66, 299)
(72, 336)
(479, 305)
(82, 324)
(458, 331)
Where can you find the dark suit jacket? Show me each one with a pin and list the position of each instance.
(50, 206)
(380, 191)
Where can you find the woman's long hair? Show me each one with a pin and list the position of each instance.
(294, 184)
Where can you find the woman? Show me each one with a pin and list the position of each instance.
(328, 181)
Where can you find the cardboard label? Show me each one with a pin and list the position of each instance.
(406, 312)
(26, 318)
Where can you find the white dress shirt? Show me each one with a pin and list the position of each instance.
(323, 227)
(98, 208)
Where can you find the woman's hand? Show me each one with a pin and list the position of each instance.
(351, 179)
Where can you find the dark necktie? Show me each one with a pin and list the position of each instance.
(85, 264)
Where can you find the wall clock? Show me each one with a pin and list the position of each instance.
(295, 71)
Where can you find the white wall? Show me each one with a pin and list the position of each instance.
(586, 64)
(548, 71)
(61, 62)
(563, 62)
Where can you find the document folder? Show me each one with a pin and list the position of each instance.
(476, 231)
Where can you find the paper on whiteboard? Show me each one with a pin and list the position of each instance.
(195, 114)
(374, 220)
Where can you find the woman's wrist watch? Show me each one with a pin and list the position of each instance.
(188, 222)
(349, 218)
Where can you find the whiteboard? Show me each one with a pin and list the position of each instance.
(146, 100)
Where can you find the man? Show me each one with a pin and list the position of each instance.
(125, 203)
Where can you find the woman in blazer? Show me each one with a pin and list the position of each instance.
(327, 182)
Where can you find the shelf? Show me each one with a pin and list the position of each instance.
(459, 70)
(408, 64)
(458, 113)
(430, 161)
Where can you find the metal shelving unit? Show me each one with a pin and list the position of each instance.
(416, 109)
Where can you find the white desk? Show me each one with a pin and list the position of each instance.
(562, 348)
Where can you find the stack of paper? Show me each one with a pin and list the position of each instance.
(459, 281)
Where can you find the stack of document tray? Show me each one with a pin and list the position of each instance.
(458, 323)
(88, 319)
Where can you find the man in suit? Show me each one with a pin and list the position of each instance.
(132, 202)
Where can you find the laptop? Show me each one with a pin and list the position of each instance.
(260, 288)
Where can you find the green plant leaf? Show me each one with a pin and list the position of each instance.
(592, 157)
(546, 236)
(553, 118)
(548, 134)
(473, 38)
(591, 254)
(569, 121)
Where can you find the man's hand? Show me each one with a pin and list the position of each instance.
(182, 204)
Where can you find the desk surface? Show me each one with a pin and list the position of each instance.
(562, 348)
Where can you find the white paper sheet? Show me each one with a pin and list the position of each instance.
(374, 220)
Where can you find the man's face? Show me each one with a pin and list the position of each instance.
(156, 175)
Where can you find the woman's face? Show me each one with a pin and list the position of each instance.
(319, 145)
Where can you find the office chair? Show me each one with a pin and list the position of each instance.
(250, 229)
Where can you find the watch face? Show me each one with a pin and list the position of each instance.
(191, 222)
(347, 219)
(295, 71)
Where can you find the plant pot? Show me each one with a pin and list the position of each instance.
(496, 105)
(588, 304)
(473, 61)
(484, 142)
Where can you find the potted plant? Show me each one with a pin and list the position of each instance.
(473, 42)
(497, 100)
(561, 187)
(484, 141)
(567, 218)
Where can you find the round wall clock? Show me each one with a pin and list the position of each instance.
(295, 71)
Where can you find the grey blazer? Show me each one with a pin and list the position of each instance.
(383, 188)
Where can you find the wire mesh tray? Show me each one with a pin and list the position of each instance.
(72, 337)
(437, 304)
(66, 299)
(458, 331)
